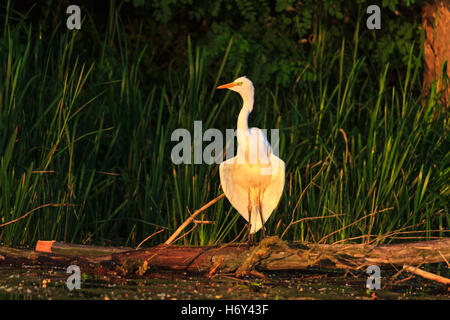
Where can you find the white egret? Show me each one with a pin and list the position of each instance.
(253, 181)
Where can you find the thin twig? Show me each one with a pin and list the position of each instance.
(237, 237)
(389, 235)
(352, 238)
(443, 257)
(186, 233)
(391, 281)
(301, 196)
(153, 234)
(355, 222)
(315, 218)
(203, 222)
(35, 209)
(214, 269)
(398, 231)
(422, 231)
(191, 219)
(426, 238)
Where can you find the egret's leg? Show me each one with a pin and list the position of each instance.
(261, 216)
(249, 208)
(250, 239)
(263, 228)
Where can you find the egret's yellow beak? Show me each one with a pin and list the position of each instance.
(228, 85)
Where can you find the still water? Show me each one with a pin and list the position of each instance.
(34, 283)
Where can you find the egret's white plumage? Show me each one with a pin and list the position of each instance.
(253, 181)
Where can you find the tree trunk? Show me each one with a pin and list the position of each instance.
(436, 23)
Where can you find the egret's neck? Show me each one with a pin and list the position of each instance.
(242, 123)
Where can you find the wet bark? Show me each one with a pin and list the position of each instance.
(270, 255)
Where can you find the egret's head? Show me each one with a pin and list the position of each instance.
(243, 85)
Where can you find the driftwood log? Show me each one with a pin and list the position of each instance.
(271, 254)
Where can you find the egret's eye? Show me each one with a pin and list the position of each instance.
(239, 83)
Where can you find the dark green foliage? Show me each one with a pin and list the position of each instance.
(273, 39)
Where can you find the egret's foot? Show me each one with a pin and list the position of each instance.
(263, 235)
(251, 241)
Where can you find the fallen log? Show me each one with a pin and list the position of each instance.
(271, 254)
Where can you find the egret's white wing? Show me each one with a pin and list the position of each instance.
(229, 172)
(234, 185)
(273, 192)
(263, 149)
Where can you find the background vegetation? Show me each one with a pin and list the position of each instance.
(86, 118)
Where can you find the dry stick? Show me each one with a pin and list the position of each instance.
(355, 222)
(440, 253)
(301, 196)
(426, 274)
(428, 238)
(391, 281)
(213, 270)
(315, 218)
(386, 235)
(354, 238)
(404, 279)
(419, 231)
(191, 218)
(237, 237)
(392, 233)
(153, 234)
(203, 222)
(31, 211)
(186, 233)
